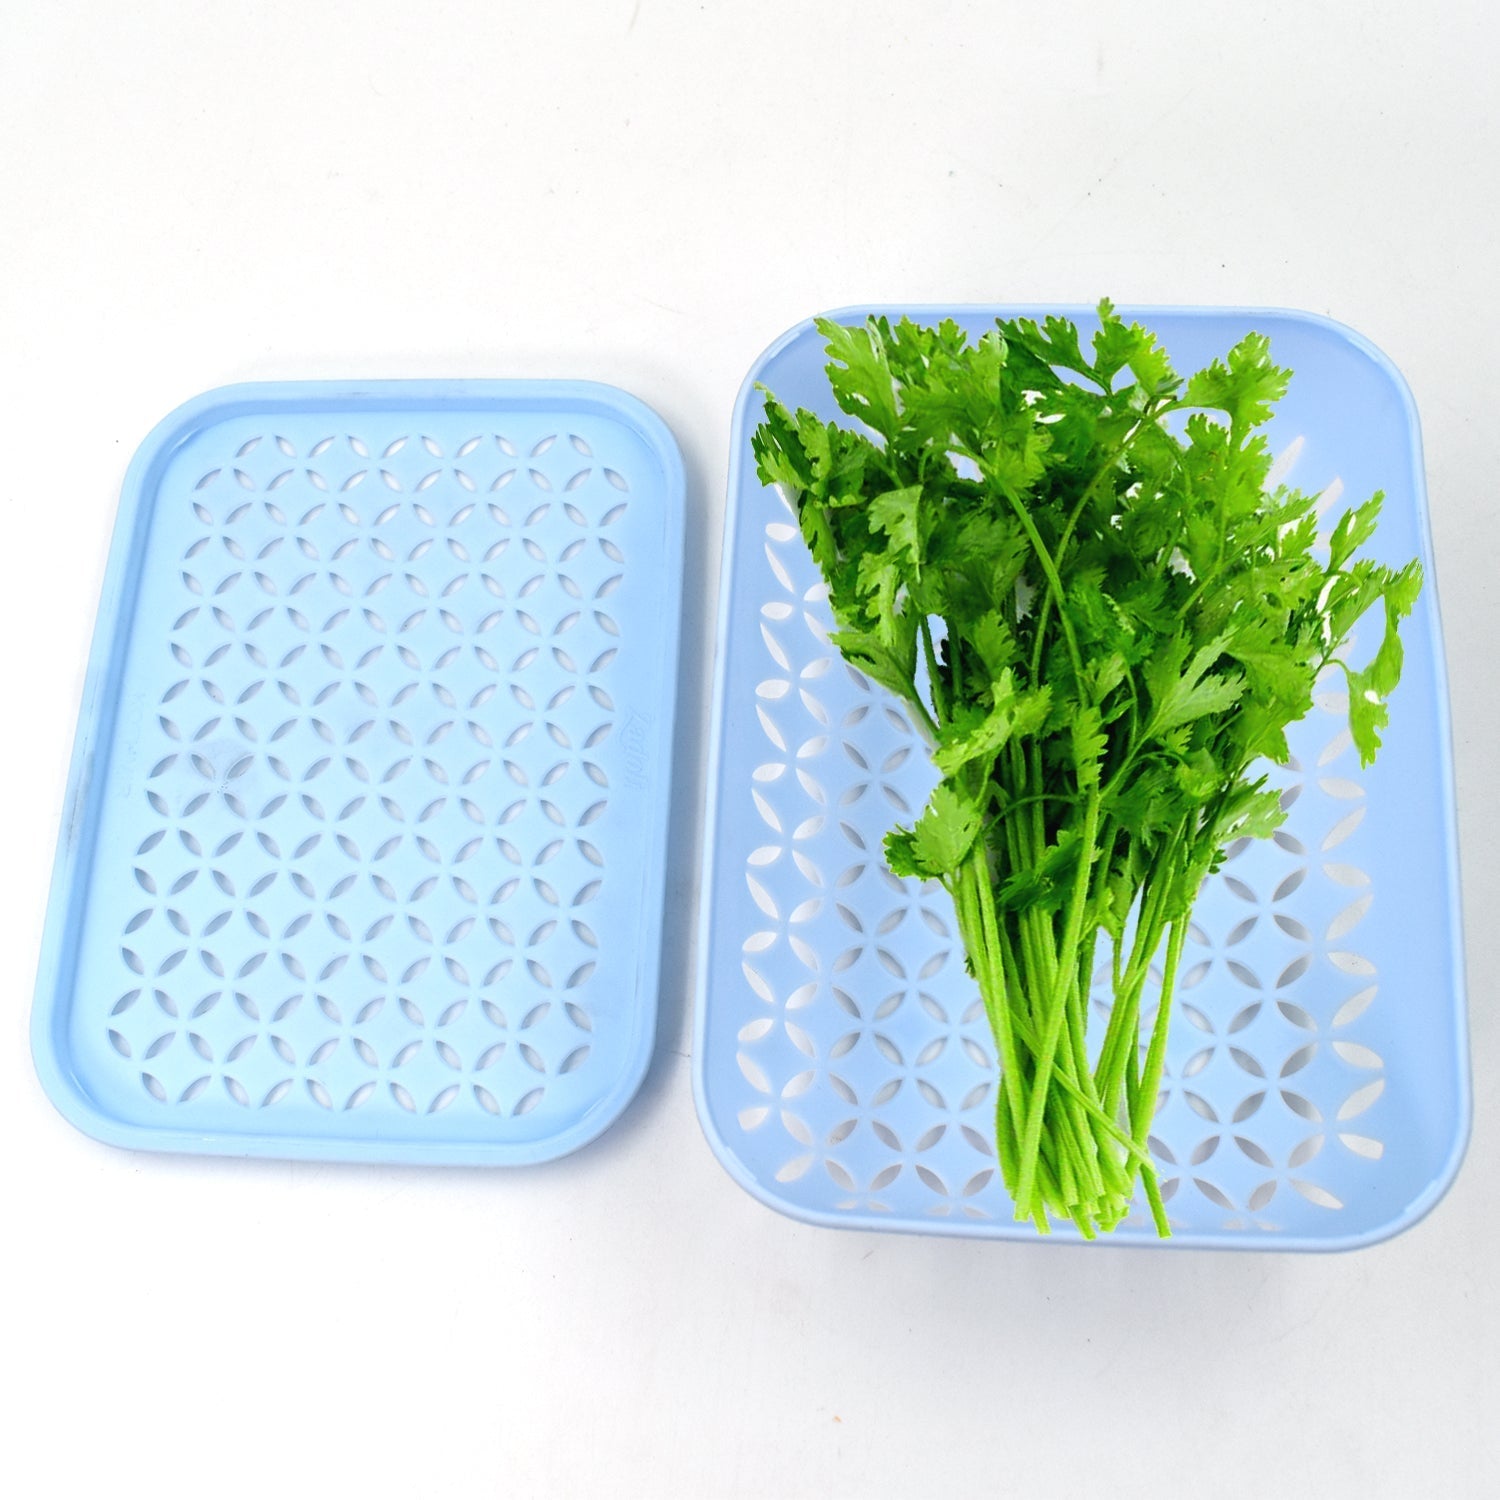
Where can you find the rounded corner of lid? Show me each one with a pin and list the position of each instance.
(640, 415)
(617, 1102)
(64, 1090)
(605, 1111)
(186, 419)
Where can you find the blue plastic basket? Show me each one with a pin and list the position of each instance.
(1317, 1092)
(363, 852)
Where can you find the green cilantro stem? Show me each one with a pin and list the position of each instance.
(1057, 1008)
(1050, 573)
(1145, 1104)
(934, 673)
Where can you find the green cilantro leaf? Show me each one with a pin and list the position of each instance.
(941, 838)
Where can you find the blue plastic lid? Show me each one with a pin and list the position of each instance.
(364, 844)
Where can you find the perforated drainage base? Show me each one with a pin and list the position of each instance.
(383, 734)
(1317, 1082)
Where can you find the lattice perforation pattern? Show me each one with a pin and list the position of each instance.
(375, 778)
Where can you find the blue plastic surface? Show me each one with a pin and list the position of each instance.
(363, 852)
(1318, 1090)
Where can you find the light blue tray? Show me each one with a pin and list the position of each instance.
(1318, 1088)
(363, 850)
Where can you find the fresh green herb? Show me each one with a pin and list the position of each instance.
(1069, 567)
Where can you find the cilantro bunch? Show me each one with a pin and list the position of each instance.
(1069, 567)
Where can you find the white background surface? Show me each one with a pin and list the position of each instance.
(647, 192)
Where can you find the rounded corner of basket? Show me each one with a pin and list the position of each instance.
(1444, 1178)
(718, 1143)
(1346, 334)
(737, 1169)
(783, 340)
(1418, 1208)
